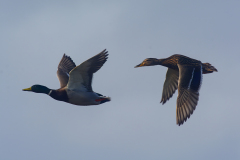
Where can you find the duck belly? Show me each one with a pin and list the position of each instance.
(82, 98)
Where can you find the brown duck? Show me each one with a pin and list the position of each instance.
(184, 74)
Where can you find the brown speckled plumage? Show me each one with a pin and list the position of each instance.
(184, 74)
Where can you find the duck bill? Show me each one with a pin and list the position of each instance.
(27, 89)
(140, 65)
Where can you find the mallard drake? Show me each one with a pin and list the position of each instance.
(184, 74)
(76, 81)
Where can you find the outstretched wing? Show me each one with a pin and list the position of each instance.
(190, 79)
(64, 67)
(81, 76)
(170, 85)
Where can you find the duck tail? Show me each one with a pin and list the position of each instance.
(208, 68)
(105, 99)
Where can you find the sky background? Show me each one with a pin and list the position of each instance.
(134, 125)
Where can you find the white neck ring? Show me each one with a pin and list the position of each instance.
(50, 92)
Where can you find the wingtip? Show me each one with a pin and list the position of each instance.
(64, 55)
(163, 101)
(105, 51)
(104, 54)
(179, 123)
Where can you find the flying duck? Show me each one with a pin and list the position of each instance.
(76, 81)
(184, 74)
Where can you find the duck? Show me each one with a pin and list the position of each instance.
(76, 81)
(184, 74)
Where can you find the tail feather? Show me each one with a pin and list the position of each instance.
(105, 99)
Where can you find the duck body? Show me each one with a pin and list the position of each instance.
(84, 98)
(184, 74)
(75, 82)
(173, 61)
(77, 97)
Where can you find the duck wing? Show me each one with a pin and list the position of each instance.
(64, 67)
(190, 79)
(170, 85)
(81, 76)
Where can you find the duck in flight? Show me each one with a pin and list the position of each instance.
(184, 74)
(76, 81)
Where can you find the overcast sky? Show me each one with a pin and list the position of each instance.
(134, 125)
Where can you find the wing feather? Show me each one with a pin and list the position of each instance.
(81, 76)
(170, 85)
(64, 67)
(190, 79)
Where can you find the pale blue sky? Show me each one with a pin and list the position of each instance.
(134, 125)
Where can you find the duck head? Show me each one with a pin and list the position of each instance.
(38, 89)
(148, 62)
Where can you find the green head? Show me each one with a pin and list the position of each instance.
(148, 62)
(38, 89)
